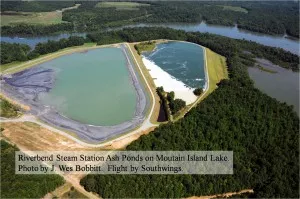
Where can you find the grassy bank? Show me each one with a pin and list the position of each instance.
(8, 110)
(145, 46)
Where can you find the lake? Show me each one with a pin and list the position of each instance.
(92, 87)
(232, 32)
(283, 85)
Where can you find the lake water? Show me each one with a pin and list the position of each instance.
(283, 85)
(33, 41)
(92, 87)
(232, 32)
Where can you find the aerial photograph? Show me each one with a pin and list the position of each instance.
(184, 99)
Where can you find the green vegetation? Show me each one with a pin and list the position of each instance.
(265, 69)
(164, 102)
(198, 91)
(36, 29)
(35, 6)
(21, 52)
(236, 117)
(235, 8)
(13, 52)
(10, 18)
(265, 17)
(8, 110)
(23, 186)
(121, 5)
(176, 105)
(144, 46)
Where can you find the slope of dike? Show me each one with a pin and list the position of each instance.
(26, 87)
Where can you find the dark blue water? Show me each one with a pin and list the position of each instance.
(182, 60)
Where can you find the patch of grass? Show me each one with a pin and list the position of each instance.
(266, 69)
(145, 46)
(8, 110)
(235, 8)
(121, 5)
(10, 18)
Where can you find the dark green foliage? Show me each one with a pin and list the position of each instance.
(13, 52)
(198, 91)
(34, 30)
(35, 6)
(20, 52)
(23, 186)
(262, 132)
(171, 96)
(163, 101)
(52, 46)
(176, 105)
(265, 17)
(7, 109)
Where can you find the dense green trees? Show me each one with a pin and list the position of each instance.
(176, 105)
(262, 133)
(23, 186)
(35, 30)
(198, 91)
(21, 52)
(35, 6)
(13, 52)
(265, 17)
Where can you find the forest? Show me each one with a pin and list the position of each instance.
(23, 186)
(262, 132)
(11, 52)
(265, 17)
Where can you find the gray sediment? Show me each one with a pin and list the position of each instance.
(26, 86)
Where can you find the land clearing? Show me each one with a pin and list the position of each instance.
(121, 5)
(43, 18)
(235, 9)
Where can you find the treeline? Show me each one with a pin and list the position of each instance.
(23, 186)
(35, 6)
(229, 47)
(21, 52)
(262, 133)
(264, 17)
(35, 30)
(13, 52)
